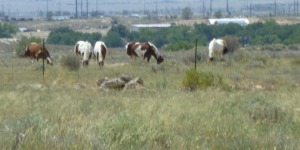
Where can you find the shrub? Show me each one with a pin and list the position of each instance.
(193, 79)
(67, 36)
(232, 43)
(182, 45)
(70, 62)
(7, 30)
(113, 39)
(24, 41)
(130, 131)
(190, 58)
(296, 62)
(262, 110)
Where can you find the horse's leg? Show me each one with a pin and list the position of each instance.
(148, 58)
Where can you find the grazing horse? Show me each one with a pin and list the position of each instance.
(100, 52)
(84, 48)
(145, 49)
(217, 47)
(37, 51)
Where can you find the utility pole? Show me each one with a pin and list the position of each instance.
(156, 9)
(97, 7)
(210, 8)
(227, 8)
(275, 8)
(81, 13)
(59, 11)
(47, 8)
(250, 8)
(203, 8)
(297, 7)
(76, 10)
(294, 7)
(87, 9)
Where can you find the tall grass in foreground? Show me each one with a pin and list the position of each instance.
(258, 109)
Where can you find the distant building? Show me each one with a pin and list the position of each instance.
(240, 21)
(137, 27)
(21, 29)
(60, 18)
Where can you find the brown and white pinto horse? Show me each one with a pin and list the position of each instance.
(83, 48)
(100, 52)
(145, 49)
(37, 51)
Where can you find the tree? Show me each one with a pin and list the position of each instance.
(7, 30)
(113, 39)
(121, 30)
(67, 36)
(186, 13)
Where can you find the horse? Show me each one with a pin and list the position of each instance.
(37, 51)
(100, 52)
(83, 48)
(146, 50)
(217, 47)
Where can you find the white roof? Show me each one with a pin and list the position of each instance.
(241, 21)
(152, 25)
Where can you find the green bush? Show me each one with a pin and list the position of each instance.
(194, 80)
(183, 45)
(232, 43)
(7, 30)
(262, 110)
(67, 36)
(113, 39)
(24, 41)
(70, 62)
(129, 131)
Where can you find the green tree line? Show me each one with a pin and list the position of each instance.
(183, 37)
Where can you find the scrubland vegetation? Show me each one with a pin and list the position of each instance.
(248, 100)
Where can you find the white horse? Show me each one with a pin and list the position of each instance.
(84, 48)
(217, 47)
(100, 52)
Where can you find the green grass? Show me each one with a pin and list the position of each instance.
(258, 109)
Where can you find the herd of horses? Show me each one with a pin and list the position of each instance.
(216, 48)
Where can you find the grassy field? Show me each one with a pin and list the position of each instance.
(253, 105)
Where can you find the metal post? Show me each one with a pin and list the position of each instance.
(196, 56)
(43, 62)
(12, 62)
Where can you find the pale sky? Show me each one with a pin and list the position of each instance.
(32, 7)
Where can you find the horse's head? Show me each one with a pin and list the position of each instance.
(44, 54)
(154, 51)
(47, 56)
(85, 62)
(160, 59)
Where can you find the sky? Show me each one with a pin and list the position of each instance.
(21, 8)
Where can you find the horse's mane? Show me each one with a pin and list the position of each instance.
(155, 49)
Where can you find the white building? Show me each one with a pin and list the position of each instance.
(137, 27)
(240, 21)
